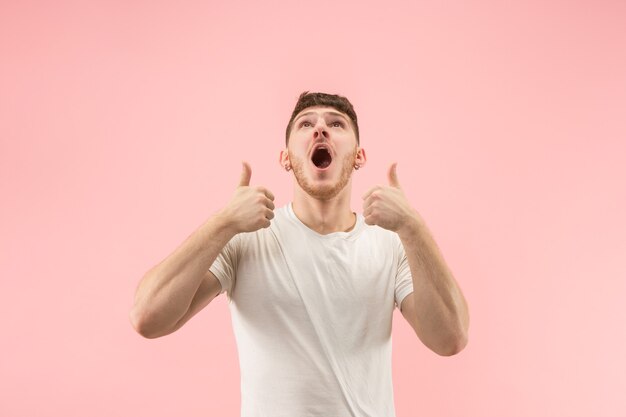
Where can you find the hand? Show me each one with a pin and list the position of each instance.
(251, 208)
(387, 207)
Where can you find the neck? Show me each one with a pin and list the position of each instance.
(324, 216)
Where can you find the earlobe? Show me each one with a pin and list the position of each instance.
(283, 160)
(360, 158)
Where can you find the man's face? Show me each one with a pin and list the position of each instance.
(322, 151)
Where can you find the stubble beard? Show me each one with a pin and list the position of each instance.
(323, 192)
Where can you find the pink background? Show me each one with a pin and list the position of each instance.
(123, 126)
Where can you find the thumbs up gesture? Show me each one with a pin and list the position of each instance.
(387, 207)
(250, 208)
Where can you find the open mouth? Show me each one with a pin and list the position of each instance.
(321, 157)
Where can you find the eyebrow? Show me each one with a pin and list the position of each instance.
(325, 113)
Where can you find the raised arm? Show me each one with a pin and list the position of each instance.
(180, 285)
(437, 309)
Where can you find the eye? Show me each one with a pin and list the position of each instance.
(305, 124)
(339, 124)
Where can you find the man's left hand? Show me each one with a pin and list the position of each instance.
(388, 208)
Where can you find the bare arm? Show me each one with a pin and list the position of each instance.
(178, 287)
(209, 289)
(166, 291)
(437, 309)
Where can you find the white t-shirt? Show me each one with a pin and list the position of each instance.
(312, 317)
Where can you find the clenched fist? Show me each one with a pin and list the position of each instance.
(250, 208)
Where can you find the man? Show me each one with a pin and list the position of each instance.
(312, 285)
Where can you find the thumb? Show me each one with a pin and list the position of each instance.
(245, 175)
(393, 177)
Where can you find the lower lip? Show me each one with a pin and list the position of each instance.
(321, 169)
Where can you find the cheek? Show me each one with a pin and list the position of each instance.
(348, 149)
(297, 152)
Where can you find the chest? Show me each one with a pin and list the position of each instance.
(357, 273)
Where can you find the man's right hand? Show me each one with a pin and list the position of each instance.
(250, 208)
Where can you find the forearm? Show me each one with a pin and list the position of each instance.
(166, 291)
(442, 312)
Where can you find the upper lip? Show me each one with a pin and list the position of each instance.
(321, 145)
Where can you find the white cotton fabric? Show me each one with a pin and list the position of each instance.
(312, 317)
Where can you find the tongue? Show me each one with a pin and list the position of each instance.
(324, 163)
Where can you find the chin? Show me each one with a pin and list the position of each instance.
(325, 189)
(332, 183)
(322, 193)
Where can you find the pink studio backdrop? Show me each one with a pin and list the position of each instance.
(123, 126)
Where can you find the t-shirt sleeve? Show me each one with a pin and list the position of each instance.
(225, 265)
(404, 280)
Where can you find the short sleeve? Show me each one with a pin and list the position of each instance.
(225, 265)
(404, 280)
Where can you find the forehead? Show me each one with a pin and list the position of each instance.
(321, 111)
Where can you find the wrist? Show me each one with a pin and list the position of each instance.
(223, 225)
(411, 227)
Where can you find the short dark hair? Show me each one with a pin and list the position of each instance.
(335, 101)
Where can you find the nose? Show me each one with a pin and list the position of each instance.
(320, 130)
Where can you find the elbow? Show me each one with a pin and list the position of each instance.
(457, 340)
(454, 347)
(141, 324)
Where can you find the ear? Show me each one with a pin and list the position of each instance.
(360, 157)
(283, 159)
